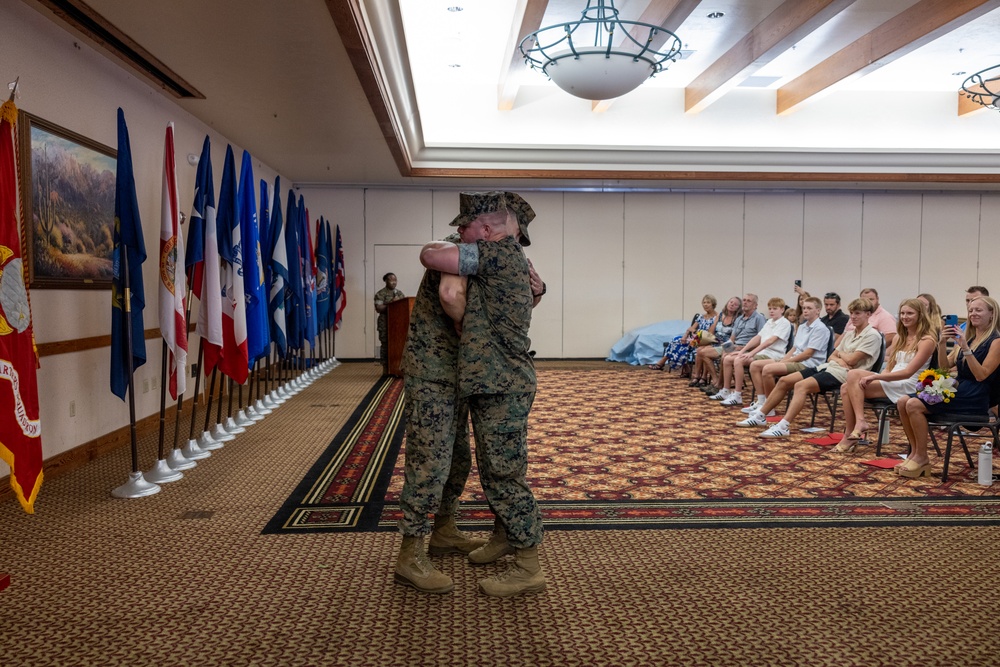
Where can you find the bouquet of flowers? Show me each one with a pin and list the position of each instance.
(935, 386)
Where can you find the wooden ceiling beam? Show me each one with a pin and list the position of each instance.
(779, 31)
(920, 24)
(669, 15)
(527, 19)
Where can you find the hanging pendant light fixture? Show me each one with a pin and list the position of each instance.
(984, 87)
(600, 57)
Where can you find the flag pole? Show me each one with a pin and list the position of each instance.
(192, 451)
(136, 486)
(219, 435)
(162, 473)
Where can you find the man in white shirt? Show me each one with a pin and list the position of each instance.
(859, 348)
(769, 344)
(812, 341)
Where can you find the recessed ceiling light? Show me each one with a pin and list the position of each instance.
(455, 8)
(958, 73)
(716, 15)
(454, 65)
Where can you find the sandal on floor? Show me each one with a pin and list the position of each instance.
(655, 367)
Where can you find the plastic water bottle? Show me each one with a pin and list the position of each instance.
(986, 464)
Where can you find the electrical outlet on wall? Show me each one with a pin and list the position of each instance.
(72, 408)
(156, 383)
(145, 386)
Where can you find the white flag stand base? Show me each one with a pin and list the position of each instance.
(261, 408)
(241, 421)
(161, 473)
(178, 461)
(135, 487)
(218, 435)
(193, 451)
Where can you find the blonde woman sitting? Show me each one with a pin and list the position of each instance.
(907, 357)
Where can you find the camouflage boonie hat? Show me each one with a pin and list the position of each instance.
(473, 204)
(524, 213)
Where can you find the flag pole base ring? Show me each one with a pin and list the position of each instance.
(161, 473)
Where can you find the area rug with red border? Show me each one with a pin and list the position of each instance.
(618, 447)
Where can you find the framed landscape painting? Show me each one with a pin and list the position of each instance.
(68, 200)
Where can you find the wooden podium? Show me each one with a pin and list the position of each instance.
(398, 313)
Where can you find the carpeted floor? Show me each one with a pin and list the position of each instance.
(186, 578)
(614, 448)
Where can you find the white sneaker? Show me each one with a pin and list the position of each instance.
(756, 418)
(733, 400)
(779, 430)
(753, 406)
(722, 395)
(769, 414)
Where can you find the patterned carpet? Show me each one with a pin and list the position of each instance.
(185, 577)
(615, 448)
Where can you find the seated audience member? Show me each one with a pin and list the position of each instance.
(679, 353)
(857, 349)
(803, 295)
(747, 325)
(771, 343)
(809, 350)
(973, 292)
(976, 354)
(933, 309)
(835, 318)
(881, 320)
(907, 357)
(721, 330)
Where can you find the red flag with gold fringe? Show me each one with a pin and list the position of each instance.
(20, 429)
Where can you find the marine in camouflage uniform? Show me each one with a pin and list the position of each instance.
(438, 455)
(384, 297)
(497, 376)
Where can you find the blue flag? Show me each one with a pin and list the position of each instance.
(253, 275)
(332, 309)
(295, 313)
(129, 253)
(279, 276)
(308, 278)
(322, 276)
(263, 221)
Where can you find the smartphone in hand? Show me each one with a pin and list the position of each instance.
(798, 283)
(951, 320)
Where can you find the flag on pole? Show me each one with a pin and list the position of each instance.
(204, 272)
(339, 282)
(20, 428)
(308, 273)
(172, 292)
(264, 237)
(331, 308)
(279, 276)
(129, 251)
(253, 269)
(234, 362)
(295, 314)
(322, 276)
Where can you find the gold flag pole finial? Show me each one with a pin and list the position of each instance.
(13, 90)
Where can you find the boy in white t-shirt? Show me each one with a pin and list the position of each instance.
(770, 343)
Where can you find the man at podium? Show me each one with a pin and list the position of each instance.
(383, 298)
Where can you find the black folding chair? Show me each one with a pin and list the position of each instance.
(966, 425)
(832, 398)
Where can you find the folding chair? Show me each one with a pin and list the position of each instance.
(832, 398)
(963, 425)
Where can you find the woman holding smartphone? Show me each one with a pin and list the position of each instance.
(976, 355)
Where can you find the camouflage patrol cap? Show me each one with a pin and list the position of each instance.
(471, 205)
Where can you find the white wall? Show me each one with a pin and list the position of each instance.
(615, 261)
(64, 81)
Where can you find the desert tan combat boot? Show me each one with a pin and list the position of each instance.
(413, 568)
(448, 539)
(495, 549)
(524, 576)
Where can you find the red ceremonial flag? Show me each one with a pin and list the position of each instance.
(20, 430)
(173, 315)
